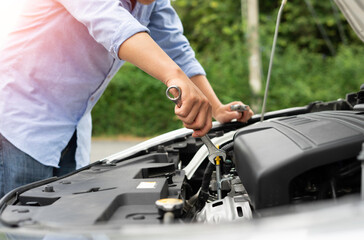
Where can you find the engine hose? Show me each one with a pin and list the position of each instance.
(204, 192)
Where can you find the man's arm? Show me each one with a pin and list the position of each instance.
(166, 29)
(143, 52)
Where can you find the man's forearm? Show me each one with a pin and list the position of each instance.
(143, 52)
(203, 84)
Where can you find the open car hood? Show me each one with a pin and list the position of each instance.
(353, 11)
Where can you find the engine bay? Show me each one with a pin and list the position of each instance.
(295, 156)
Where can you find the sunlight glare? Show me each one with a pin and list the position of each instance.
(9, 11)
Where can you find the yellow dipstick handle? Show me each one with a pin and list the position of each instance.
(217, 160)
(218, 175)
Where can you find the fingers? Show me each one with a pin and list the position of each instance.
(195, 110)
(224, 114)
(233, 114)
(190, 110)
(205, 129)
(196, 115)
(246, 115)
(199, 119)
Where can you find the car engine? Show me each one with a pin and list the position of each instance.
(296, 155)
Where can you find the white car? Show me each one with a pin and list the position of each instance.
(297, 174)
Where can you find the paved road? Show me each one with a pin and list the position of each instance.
(103, 148)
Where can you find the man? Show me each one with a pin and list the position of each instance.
(57, 63)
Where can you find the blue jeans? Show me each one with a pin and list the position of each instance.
(18, 168)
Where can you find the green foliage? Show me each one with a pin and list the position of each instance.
(226, 69)
(134, 103)
(208, 24)
(303, 70)
(300, 77)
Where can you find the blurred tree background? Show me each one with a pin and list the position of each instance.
(318, 57)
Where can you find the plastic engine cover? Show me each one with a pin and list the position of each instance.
(270, 154)
(103, 195)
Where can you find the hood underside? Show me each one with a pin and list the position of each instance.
(353, 11)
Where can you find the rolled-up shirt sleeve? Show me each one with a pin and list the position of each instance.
(166, 29)
(107, 21)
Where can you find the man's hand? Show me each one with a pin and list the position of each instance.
(195, 110)
(224, 114)
(220, 112)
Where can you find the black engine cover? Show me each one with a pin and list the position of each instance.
(102, 195)
(270, 154)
